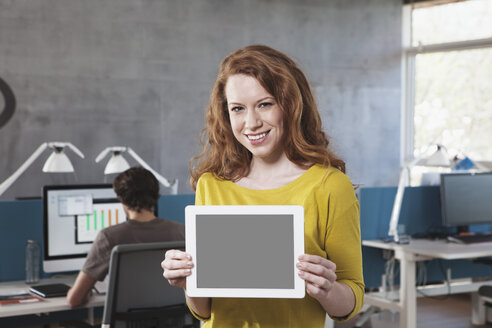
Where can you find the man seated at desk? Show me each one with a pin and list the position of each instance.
(138, 191)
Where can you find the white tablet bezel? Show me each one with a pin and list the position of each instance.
(297, 211)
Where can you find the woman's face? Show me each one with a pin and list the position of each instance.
(256, 118)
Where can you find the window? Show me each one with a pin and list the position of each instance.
(448, 79)
(455, 21)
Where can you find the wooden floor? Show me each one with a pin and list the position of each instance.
(452, 312)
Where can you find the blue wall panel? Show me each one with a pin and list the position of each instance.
(19, 221)
(172, 207)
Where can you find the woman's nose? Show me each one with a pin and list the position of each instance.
(253, 119)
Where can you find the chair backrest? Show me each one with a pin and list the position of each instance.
(137, 290)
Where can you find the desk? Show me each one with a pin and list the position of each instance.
(409, 255)
(53, 304)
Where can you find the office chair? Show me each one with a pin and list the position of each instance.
(484, 305)
(138, 295)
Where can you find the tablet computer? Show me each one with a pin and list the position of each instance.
(245, 251)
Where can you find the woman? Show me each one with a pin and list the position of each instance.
(265, 146)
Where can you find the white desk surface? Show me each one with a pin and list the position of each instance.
(417, 250)
(52, 304)
(436, 248)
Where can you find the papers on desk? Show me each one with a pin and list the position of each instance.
(17, 297)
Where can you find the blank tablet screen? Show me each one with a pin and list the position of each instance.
(228, 245)
(245, 250)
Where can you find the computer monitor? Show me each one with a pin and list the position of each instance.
(73, 215)
(466, 199)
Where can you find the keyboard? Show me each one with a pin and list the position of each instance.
(471, 239)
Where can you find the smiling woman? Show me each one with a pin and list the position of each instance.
(265, 146)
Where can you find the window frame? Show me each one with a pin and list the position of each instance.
(409, 54)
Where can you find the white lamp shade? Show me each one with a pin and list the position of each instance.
(439, 158)
(116, 164)
(58, 162)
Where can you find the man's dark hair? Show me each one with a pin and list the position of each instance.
(137, 188)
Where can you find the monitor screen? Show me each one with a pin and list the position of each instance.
(466, 199)
(73, 215)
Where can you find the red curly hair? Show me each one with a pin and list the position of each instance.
(305, 143)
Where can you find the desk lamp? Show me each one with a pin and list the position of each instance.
(437, 159)
(117, 163)
(56, 163)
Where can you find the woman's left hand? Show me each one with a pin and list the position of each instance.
(319, 274)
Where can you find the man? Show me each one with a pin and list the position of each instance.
(138, 191)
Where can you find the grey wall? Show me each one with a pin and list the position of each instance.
(138, 73)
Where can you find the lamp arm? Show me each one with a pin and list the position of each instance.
(74, 149)
(102, 154)
(6, 184)
(395, 214)
(160, 178)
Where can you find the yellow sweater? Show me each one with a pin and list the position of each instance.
(331, 214)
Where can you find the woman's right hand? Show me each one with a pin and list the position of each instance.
(177, 266)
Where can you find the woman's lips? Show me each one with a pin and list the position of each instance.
(257, 138)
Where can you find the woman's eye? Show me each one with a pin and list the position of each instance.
(265, 104)
(236, 109)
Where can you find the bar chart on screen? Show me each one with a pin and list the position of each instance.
(102, 215)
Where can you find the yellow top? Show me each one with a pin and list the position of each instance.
(331, 228)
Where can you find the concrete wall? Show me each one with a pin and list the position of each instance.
(138, 73)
